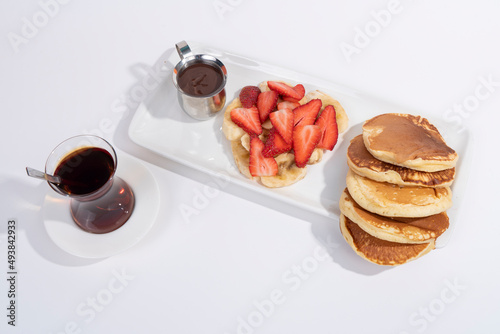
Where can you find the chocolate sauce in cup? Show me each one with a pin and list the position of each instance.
(200, 80)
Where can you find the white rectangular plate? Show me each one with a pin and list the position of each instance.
(160, 125)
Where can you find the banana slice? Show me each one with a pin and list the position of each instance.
(267, 124)
(342, 119)
(316, 156)
(229, 128)
(245, 139)
(241, 158)
(288, 172)
(263, 86)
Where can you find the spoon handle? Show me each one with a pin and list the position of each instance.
(35, 173)
(41, 175)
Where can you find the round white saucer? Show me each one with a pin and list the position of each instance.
(72, 239)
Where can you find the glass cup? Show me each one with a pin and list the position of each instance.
(100, 201)
(200, 80)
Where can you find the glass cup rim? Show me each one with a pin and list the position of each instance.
(200, 59)
(110, 150)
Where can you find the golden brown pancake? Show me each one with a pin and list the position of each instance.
(395, 229)
(379, 251)
(391, 200)
(408, 141)
(363, 163)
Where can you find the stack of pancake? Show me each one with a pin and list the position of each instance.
(398, 189)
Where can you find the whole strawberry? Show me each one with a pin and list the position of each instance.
(249, 95)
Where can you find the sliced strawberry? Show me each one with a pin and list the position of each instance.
(282, 120)
(306, 114)
(305, 139)
(247, 119)
(275, 144)
(290, 99)
(266, 103)
(260, 165)
(288, 104)
(300, 90)
(327, 123)
(248, 96)
(284, 90)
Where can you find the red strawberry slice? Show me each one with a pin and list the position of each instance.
(282, 120)
(266, 103)
(275, 144)
(260, 165)
(305, 139)
(300, 90)
(248, 96)
(284, 90)
(247, 119)
(290, 99)
(327, 123)
(288, 104)
(306, 114)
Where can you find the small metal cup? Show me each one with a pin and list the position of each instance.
(200, 107)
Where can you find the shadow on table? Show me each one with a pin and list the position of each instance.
(327, 232)
(23, 202)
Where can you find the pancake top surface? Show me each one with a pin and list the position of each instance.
(361, 158)
(408, 137)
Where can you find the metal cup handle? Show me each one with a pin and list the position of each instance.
(183, 50)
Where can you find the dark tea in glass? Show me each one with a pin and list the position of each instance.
(84, 170)
(100, 201)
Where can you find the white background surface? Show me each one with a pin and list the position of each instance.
(236, 266)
